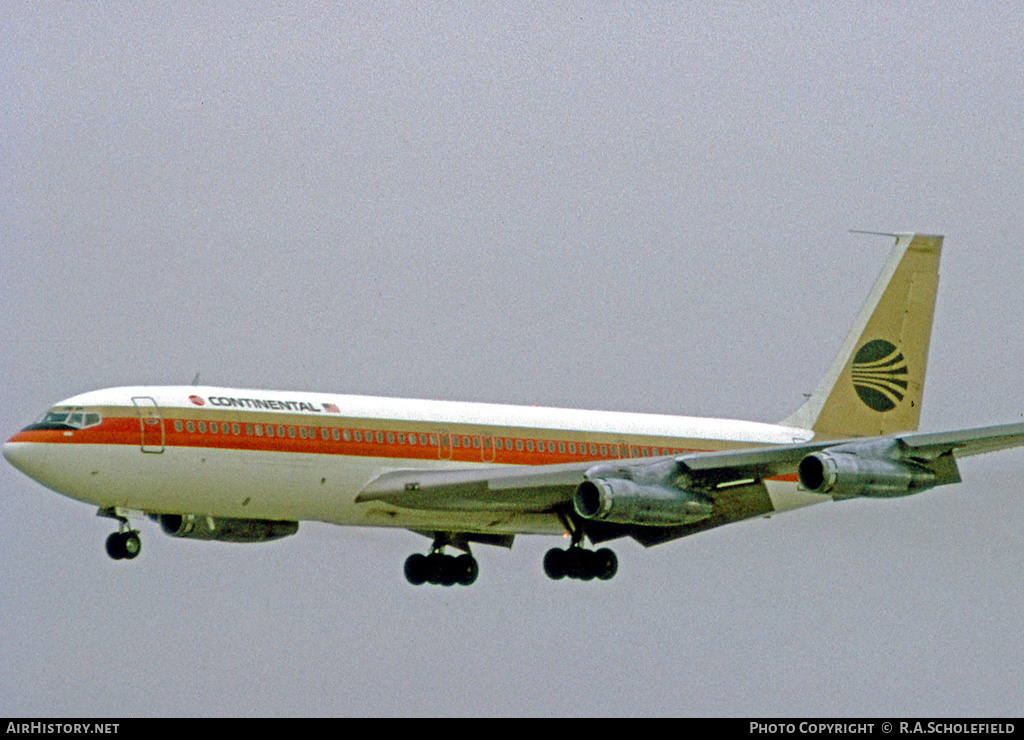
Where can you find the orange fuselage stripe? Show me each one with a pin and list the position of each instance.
(241, 435)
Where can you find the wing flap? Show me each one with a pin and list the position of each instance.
(478, 489)
(712, 469)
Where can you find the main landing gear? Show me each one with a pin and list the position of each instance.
(124, 544)
(577, 562)
(440, 569)
(581, 564)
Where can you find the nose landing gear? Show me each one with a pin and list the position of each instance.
(124, 544)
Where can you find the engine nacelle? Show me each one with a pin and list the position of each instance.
(225, 529)
(626, 502)
(846, 474)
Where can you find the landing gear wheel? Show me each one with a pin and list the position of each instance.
(131, 545)
(466, 570)
(555, 564)
(441, 570)
(416, 569)
(606, 564)
(580, 564)
(124, 545)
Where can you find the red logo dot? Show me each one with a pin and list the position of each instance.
(196, 400)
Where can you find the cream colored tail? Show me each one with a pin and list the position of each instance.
(875, 383)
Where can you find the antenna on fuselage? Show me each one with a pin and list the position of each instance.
(195, 380)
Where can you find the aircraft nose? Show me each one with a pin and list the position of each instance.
(27, 457)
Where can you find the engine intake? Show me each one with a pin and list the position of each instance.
(626, 502)
(846, 474)
(225, 529)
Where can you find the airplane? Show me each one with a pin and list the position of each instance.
(237, 465)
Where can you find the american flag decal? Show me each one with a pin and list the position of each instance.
(331, 408)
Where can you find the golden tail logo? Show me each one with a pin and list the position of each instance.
(879, 375)
(875, 384)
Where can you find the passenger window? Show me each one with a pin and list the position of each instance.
(593, 449)
(401, 438)
(604, 451)
(345, 435)
(178, 426)
(236, 429)
(433, 440)
(423, 439)
(380, 438)
(465, 442)
(561, 448)
(572, 448)
(302, 432)
(519, 445)
(476, 443)
(455, 441)
(270, 430)
(259, 430)
(191, 426)
(213, 427)
(391, 438)
(336, 434)
(280, 431)
(529, 445)
(202, 427)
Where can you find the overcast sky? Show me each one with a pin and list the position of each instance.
(628, 206)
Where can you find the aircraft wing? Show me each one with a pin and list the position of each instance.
(731, 483)
(499, 489)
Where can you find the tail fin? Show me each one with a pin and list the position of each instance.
(875, 383)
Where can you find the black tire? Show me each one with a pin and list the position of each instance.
(115, 546)
(607, 564)
(466, 570)
(585, 565)
(416, 569)
(131, 545)
(555, 564)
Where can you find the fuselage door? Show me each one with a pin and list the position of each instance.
(487, 448)
(444, 446)
(151, 423)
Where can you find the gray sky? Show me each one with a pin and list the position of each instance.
(627, 206)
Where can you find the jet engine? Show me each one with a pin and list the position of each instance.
(224, 529)
(845, 474)
(627, 502)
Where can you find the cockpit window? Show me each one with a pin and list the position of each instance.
(66, 417)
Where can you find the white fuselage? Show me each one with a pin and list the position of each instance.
(274, 455)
